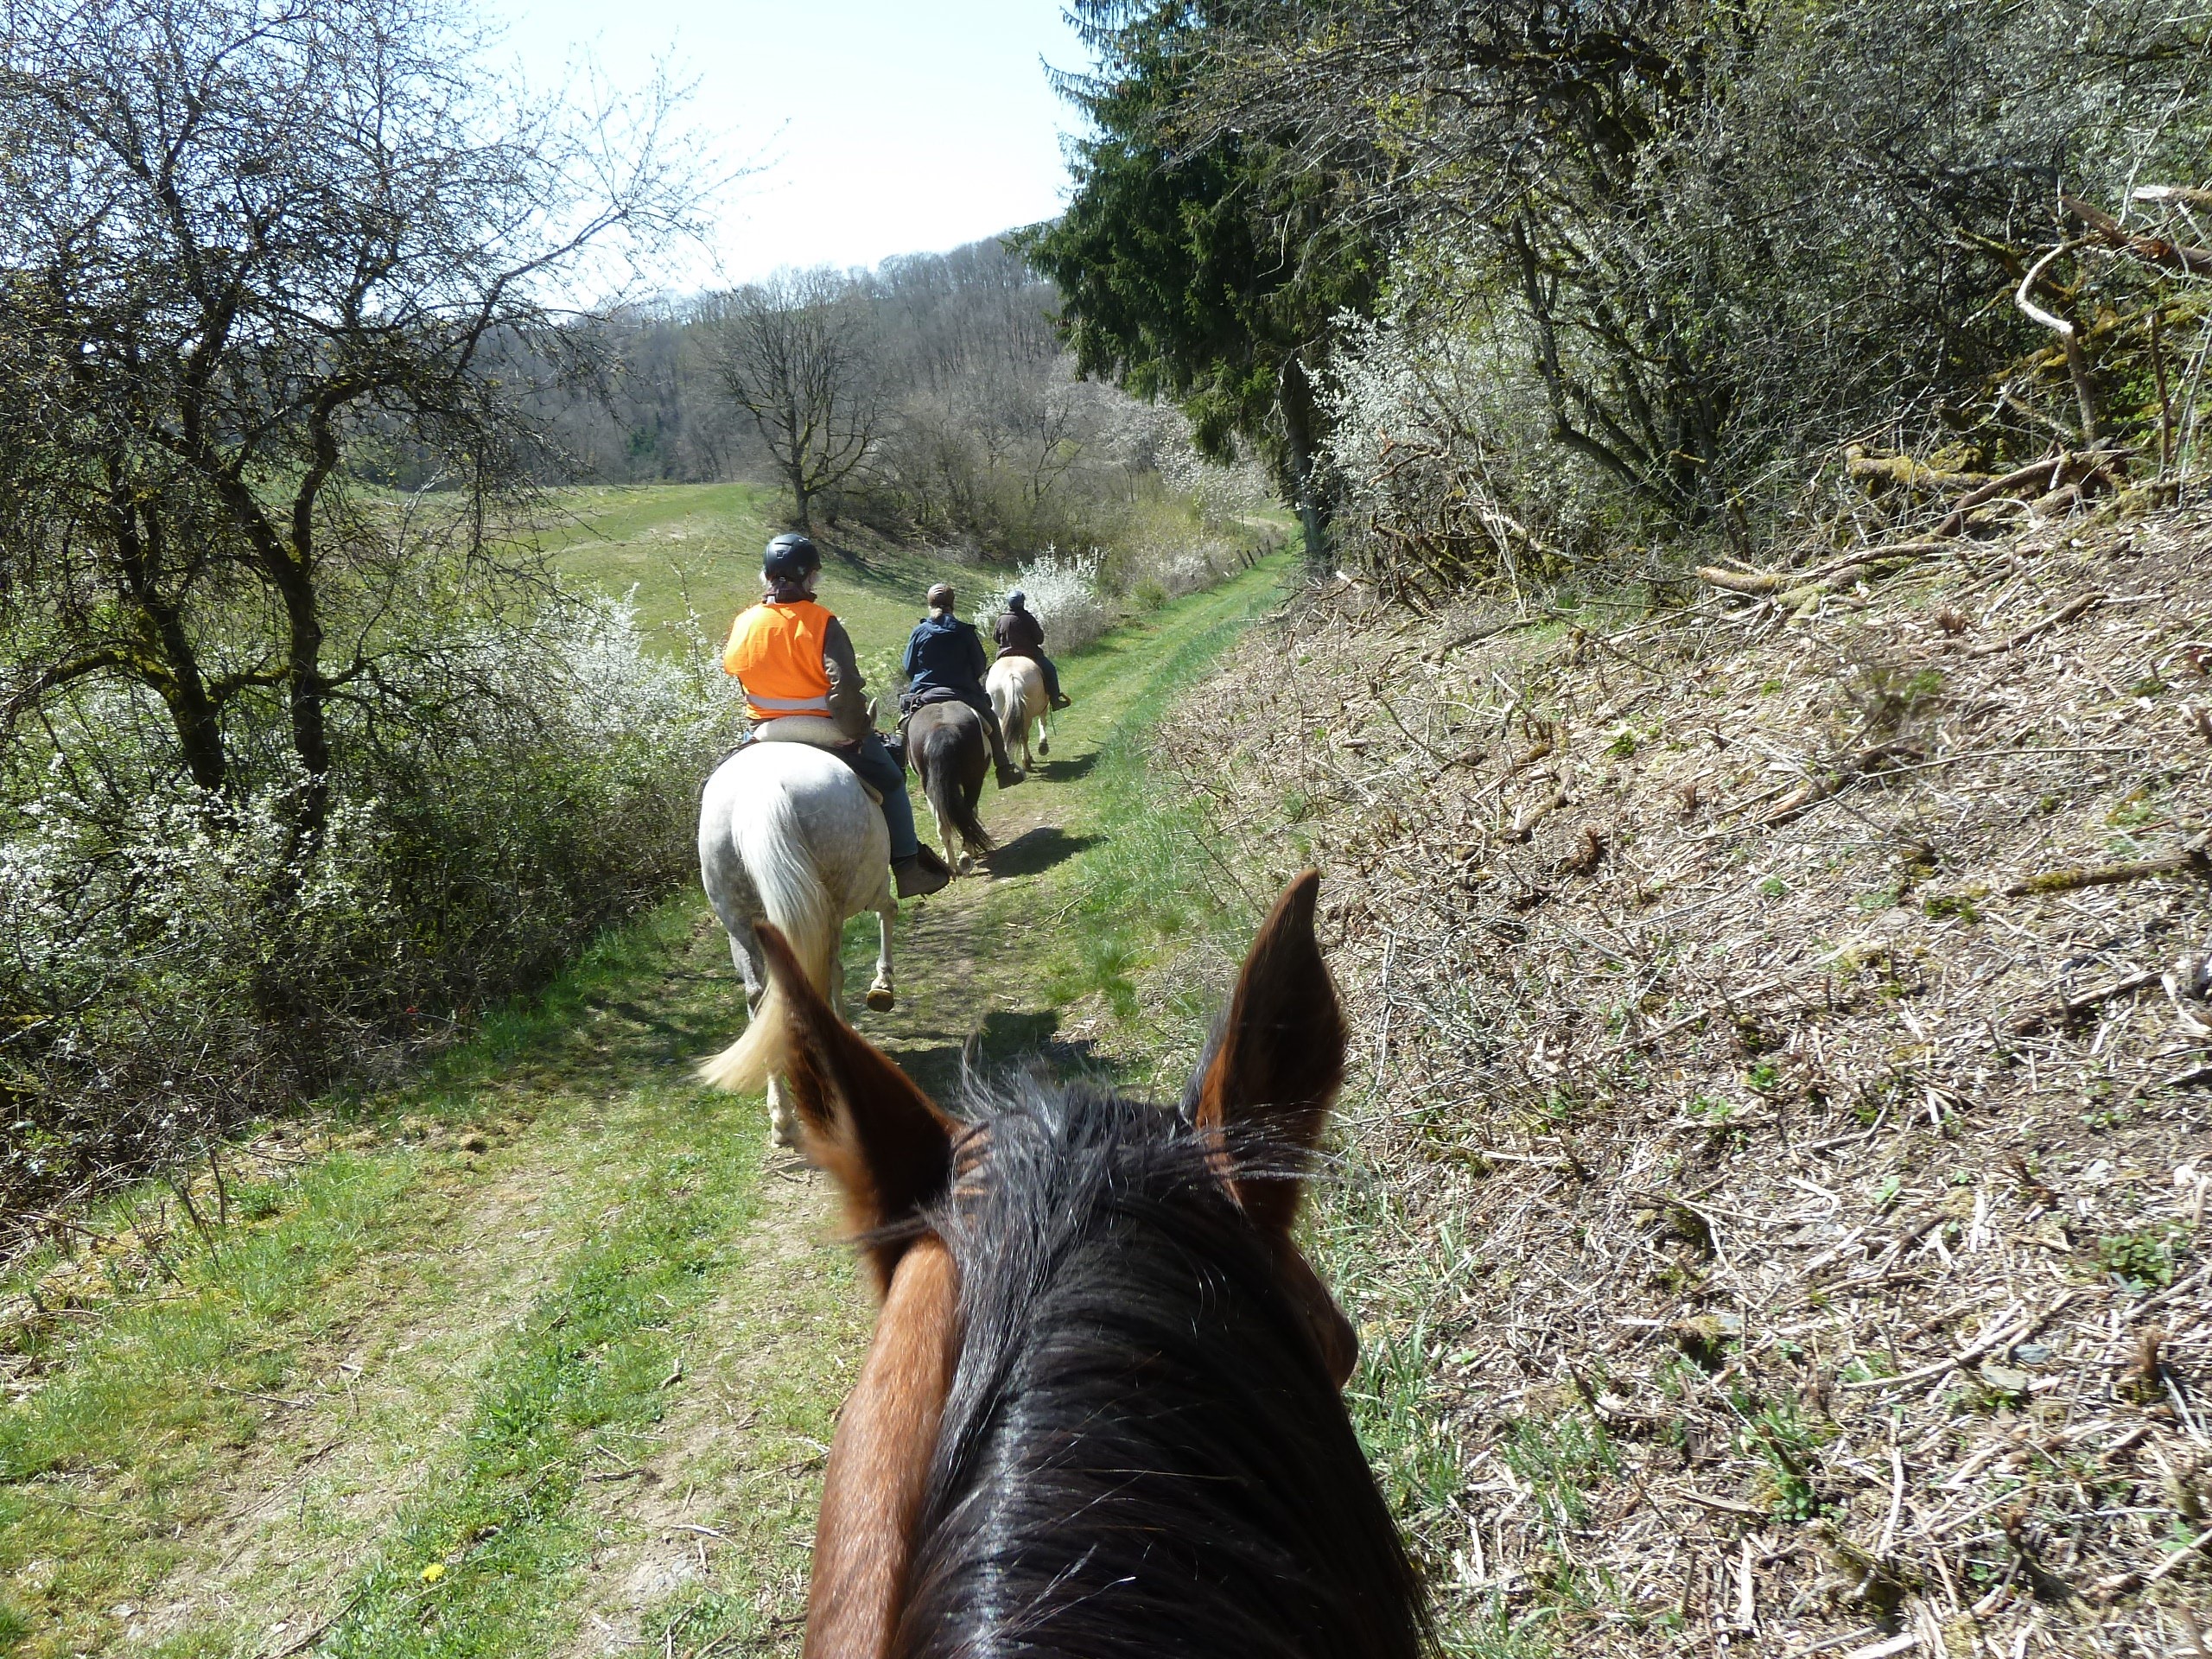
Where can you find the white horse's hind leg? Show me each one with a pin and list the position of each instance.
(881, 996)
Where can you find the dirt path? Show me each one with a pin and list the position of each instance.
(540, 1356)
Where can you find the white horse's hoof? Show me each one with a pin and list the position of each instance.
(881, 998)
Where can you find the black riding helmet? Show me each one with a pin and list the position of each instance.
(790, 557)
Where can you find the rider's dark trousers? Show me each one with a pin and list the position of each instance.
(873, 762)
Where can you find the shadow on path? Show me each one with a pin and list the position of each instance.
(1067, 772)
(1034, 851)
(1010, 1040)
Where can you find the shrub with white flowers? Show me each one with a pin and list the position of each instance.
(1063, 590)
(169, 959)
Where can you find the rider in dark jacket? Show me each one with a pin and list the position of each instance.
(1021, 634)
(944, 660)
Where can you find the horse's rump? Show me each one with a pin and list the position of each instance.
(945, 742)
(1143, 1453)
(1016, 685)
(771, 818)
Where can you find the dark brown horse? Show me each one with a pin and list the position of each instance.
(1100, 1415)
(946, 743)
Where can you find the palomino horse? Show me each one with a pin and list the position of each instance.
(945, 741)
(1017, 689)
(1100, 1415)
(787, 833)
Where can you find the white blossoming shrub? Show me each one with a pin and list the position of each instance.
(1441, 447)
(169, 961)
(1064, 592)
(1226, 495)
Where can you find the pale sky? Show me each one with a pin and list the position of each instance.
(883, 127)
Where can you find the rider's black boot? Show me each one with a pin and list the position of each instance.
(920, 875)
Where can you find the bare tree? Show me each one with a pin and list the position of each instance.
(253, 245)
(799, 354)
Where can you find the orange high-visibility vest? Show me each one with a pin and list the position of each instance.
(775, 652)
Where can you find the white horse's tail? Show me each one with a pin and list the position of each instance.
(772, 844)
(1008, 686)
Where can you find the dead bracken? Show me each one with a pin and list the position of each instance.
(1776, 1214)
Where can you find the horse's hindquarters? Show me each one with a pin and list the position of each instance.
(787, 833)
(950, 755)
(1016, 685)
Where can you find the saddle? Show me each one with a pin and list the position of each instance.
(817, 731)
(910, 701)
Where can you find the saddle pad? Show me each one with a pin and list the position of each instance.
(817, 730)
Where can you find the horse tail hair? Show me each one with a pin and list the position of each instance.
(938, 766)
(1010, 697)
(746, 1064)
(771, 844)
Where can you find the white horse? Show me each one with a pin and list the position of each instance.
(1017, 690)
(787, 832)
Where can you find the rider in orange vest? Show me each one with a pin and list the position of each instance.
(791, 656)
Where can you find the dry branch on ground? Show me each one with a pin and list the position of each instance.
(1782, 1171)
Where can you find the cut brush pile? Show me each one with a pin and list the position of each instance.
(1777, 1219)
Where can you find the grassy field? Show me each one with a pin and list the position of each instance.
(540, 1355)
(691, 555)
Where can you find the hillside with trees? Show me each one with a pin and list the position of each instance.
(1505, 289)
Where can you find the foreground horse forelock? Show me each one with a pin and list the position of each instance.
(1100, 1415)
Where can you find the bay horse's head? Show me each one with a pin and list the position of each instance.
(1100, 1415)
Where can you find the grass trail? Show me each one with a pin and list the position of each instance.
(540, 1354)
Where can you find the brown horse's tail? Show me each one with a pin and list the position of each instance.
(936, 757)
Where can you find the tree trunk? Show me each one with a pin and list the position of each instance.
(802, 499)
(1294, 396)
(308, 693)
(198, 725)
(173, 669)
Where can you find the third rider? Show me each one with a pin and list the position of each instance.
(1021, 634)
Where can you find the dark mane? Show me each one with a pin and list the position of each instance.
(1142, 1453)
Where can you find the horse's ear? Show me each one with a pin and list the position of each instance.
(884, 1141)
(1275, 1061)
